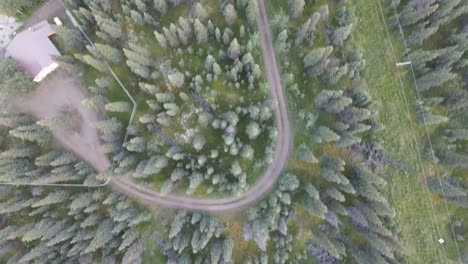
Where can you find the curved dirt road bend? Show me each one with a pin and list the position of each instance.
(280, 157)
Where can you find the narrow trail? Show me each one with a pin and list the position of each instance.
(280, 158)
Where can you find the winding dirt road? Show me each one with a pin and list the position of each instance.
(280, 157)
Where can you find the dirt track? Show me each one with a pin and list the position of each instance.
(280, 158)
(62, 91)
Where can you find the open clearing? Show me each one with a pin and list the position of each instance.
(56, 93)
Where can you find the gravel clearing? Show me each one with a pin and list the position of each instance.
(8, 25)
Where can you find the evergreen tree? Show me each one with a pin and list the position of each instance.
(64, 120)
(230, 14)
(52, 198)
(109, 53)
(296, 8)
(216, 250)
(363, 187)
(137, 17)
(454, 135)
(452, 158)
(353, 115)
(14, 81)
(199, 142)
(201, 32)
(69, 39)
(136, 144)
(305, 154)
(199, 12)
(312, 202)
(340, 34)
(95, 103)
(109, 126)
(252, 11)
(161, 39)
(171, 36)
(332, 101)
(234, 49)
(160, 6)
(97, 64)
(324, 134)
(332, 192)
(316, 55)
(102, 237)
(110, 27)
(332, 247)
(186, 27)
(21, 152)
(434, 79)
(412, 14)
(139, 55)
(120, 106)
(253, 130)
(420, 58)
(426, 117)
(228, 245)
(420, 34)
(176, 79)
(33, 133)
(303, 32)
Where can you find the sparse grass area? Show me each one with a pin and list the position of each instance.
(153, 253)
(27, 11)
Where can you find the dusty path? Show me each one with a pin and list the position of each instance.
(280, 158)
(59, 92)
(49, 9)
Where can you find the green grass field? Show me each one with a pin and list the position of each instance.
(419, 222)
(421, 217)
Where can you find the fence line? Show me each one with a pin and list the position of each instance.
(77, 25)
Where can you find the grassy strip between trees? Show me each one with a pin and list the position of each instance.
(407, 190)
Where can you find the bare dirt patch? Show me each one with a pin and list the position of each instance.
(61, 91)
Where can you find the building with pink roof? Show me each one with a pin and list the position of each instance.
(34, 50)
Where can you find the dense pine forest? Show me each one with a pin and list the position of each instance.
(202, 125)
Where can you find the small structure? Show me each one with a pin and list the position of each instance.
(58, 22)
(403, 63)
(33, 50)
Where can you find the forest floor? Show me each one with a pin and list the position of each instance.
(421, 217)
(56, 93)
